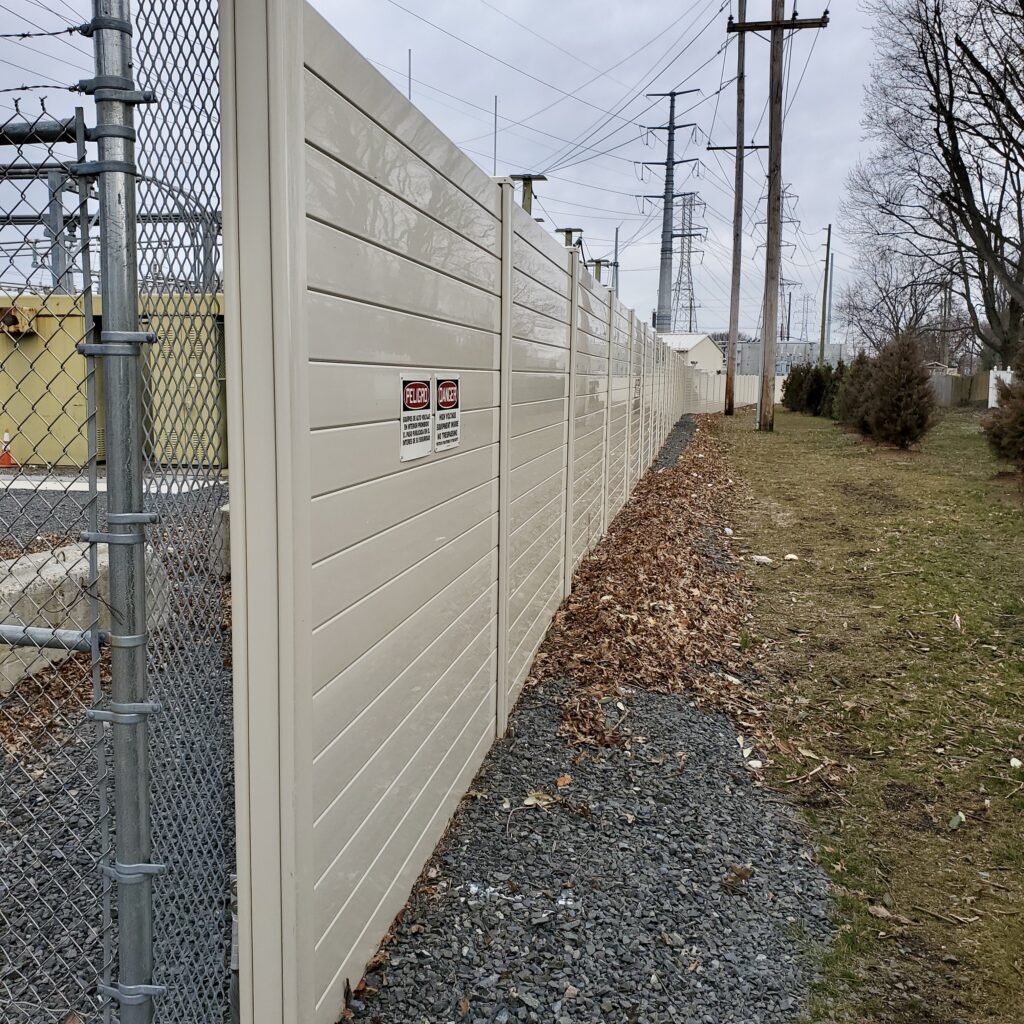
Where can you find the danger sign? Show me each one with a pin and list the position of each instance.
(447, 425)
(417, 418)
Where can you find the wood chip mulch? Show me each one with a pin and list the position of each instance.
(659, 604)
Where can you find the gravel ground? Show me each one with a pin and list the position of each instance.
(50, 888)
(676, 441)
(652, 883)
(619, 901)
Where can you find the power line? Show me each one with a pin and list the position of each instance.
(495, 57)
(562, 161)
(607, 73)
(544, 39)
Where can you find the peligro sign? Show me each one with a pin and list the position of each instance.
(431, 414)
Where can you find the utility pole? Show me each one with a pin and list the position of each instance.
(494, 169)
(120, 351)
(831, 283)
(737, 220)
(615, 265)
(778, 26)
(663, 318)
(528, 180)
(409, 78)
(824, 297)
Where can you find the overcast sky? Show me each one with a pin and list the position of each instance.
(570, 78)
(673, 45)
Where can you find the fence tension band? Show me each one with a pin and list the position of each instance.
(123, 714)
(131, 874)
(110, 131)
(117, 343)
(128, 518)
(93, 168)
(130, 640)
(112, 538)
(103, 23)
(131, 995)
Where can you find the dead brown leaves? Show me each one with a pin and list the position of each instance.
(657, 604)
(11, 549)
(47, 705)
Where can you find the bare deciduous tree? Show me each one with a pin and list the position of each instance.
(944, 187)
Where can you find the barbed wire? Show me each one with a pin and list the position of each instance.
(69, 30)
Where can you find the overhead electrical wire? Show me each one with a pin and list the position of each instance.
(650, 81)
(672, 24)
(495, 57)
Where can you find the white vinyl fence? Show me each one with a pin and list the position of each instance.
(435, 412)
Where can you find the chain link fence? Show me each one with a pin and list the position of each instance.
(179, 239)
(62, 876)
(56, 930)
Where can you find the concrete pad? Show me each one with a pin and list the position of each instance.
(48, 589)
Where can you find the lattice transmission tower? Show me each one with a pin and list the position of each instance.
(684, 301)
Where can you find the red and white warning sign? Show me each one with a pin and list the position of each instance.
(417, 418)
(447, 417)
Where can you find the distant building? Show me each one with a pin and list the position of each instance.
(788, 354)
(701, 350)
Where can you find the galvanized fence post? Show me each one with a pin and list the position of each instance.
(120, 350)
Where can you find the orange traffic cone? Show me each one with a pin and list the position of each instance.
(6, 458)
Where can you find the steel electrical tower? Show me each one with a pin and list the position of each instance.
(663, 316)
(684, 303)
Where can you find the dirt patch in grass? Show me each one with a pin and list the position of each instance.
(894, 650)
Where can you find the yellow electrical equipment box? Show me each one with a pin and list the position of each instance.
(43, 404)
(184, 391)
(42, 380)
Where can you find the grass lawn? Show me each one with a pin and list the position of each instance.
(894, 650)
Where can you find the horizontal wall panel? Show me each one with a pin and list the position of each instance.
(595, 365)
(341, 198)
(538, 387)
(348, 779)
(590, 437)
(525, 595)
(532, 542)
(380, 860)
(346, 330)
(531, 262)
(526, 477)
(538, 356)
(591, 384)
(539, 327)
(527, 447)
(426, 638)
(334, 60)
(529, 416)
(588, 403)
(341, 394)
(527, 504)
(341, 264)
(337, 643)
(539, 590)
(343, 456)
(539, 238)
(349, 516)
(347, 577)
(536, 296)
(522, 657)
(340, 130)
